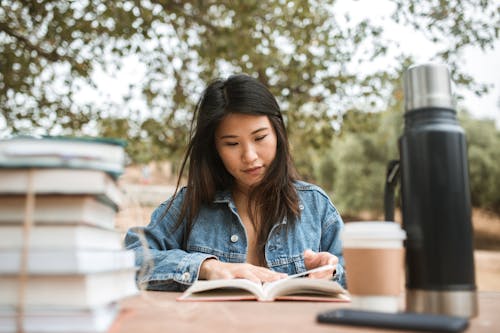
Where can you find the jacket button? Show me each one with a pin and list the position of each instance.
(234, 238)
(186, 276)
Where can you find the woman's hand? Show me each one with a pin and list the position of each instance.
(316, 259)
(212, 269)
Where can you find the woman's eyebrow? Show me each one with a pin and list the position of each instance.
(258, 130)
(228, 136)
(232, 136)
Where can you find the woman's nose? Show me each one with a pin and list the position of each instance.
(249, 154)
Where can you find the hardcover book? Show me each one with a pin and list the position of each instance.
(43, 262)
(58, 209)
(69, 290)
(62, 237)
(63, 320)
(69, 152)
(62, 181)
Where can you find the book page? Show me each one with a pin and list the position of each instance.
(232, 289)
(309, 288)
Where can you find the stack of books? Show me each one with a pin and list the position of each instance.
(63, 267)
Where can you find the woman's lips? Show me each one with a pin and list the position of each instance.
(253, 171)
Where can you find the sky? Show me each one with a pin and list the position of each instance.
(483, 66)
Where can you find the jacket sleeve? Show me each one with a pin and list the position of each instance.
(164, 265)
(331, 241)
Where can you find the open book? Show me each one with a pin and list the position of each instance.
(290, 288)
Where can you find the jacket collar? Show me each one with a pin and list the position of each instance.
(222, 197)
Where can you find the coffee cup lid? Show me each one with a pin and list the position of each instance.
(374, 230)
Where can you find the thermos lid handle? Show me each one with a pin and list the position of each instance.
(428, 85)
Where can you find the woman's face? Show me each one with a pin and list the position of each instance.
(247, 146)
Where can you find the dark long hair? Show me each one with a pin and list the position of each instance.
(274, 197)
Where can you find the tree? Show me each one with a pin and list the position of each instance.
(304, 50)
(483, 140)
(359, 157)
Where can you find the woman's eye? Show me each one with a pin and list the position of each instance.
(231, 143)
(260, 137)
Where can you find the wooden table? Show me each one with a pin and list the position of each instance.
(158, 312)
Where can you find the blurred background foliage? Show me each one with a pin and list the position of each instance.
(343, 122)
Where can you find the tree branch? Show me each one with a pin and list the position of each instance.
(52, 56)
(177, 8)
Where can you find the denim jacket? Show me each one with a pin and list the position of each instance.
(218, 233)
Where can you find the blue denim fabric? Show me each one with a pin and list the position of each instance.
(219, 233)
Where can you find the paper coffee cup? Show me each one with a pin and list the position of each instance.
(374, 257)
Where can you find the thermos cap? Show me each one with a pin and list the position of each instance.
(427, 85)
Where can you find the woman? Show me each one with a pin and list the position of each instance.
(243, 213)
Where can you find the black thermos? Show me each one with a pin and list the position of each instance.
(436, 205)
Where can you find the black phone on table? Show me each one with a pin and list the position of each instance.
(399, 320)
